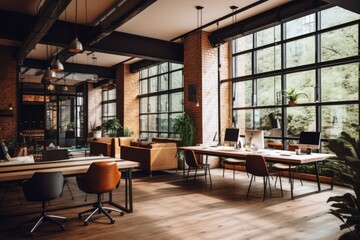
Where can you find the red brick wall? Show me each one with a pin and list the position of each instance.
(127, 101)
(94, 105)
(201, 68)
(8, 80)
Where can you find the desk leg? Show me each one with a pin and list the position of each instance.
(291, 182)
(317, 176)
(128, 194)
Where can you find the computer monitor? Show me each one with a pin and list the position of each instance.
(309, 140)
(231, 135)
(254, 138)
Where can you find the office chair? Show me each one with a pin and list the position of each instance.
(256, 166)
(54, 155)
(101, 177)
(192, 162)
(233, 162)
(44, 187)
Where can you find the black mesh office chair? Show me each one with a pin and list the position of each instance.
(54, 155)
(43, 187)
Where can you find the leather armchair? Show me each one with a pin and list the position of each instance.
(108, 146)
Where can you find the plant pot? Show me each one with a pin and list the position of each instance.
(292, 103)
(97, 134)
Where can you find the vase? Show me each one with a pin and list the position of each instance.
(97, 134)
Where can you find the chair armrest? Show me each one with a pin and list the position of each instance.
(97, 148)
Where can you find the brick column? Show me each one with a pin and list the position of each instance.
(201, 69)
(94, 105)
(127, 101)
(8, 92)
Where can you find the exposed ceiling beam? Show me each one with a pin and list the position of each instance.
(102, 72)
(123, 12)
(290, 10)
(131, 45)
(48, 14)
(352, 5)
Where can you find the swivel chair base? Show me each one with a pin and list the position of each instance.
(98, 207)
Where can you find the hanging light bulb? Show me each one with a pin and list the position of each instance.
(51, 87)
(65, 88)
(49, 74)
(10, 107)
(57, 66)
(75, 45)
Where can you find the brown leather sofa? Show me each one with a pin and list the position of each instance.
(152, 156)
(108, 146)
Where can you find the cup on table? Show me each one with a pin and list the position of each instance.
(298, 151)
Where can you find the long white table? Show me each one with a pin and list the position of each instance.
(273, 155)
(70, 167)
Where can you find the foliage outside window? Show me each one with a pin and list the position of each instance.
(108, 104)
(161, 99)
(318, 55)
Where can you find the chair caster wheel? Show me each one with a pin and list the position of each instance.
(112, 221)
(122, 214)
(80, 216)
(86, 223)
(109, 211)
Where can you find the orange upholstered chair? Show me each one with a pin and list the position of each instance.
(101, 177)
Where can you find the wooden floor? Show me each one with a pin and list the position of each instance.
(167, 207)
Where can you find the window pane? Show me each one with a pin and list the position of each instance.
(143, 105)
(172, 118)
(243, 64)
(267, 89)
(340, 83)
(300, 119)
(263, 120)
(152, 122)
(336, 119)
(303, 82)
(300, 26)
(143, 73)
(176, 80)
(163, 104)
(175, 66)
(342, 16)
(164, 68)
(340, 43)
(112, 94)
(243, 120)
(143, 122)
(153, 84)
(163, 82)
(153, 71)
(267, 36)
(163, 123)
(243, 94)
(265, 59)
(143, 86)
(176, 102)
(104, 96)
(243, 43)
(153, 104)
(300, 52)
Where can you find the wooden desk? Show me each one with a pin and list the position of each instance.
(286, 157)
(70, 167)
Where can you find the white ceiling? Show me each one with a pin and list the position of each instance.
(164, 19)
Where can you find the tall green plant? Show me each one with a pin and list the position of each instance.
(346, 169)
(185, 126)
(112, 127)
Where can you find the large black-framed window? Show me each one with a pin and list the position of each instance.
(161, 99)
(318, 55)
(108, 104)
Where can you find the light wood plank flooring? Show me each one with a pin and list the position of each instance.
(167, 207)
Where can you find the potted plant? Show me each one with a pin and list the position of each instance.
(293, 96)
(346, 169)
(185, 126)
(127, 132)
(70, 127)
(112, 127)
(96, 129)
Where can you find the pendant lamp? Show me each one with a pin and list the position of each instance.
(75, 45)
(57, 66)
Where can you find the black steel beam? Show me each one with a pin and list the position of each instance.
(48, 14)
(116, 43)
(351, 5)
(264, 20)
(102, 72)
(123, 12)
